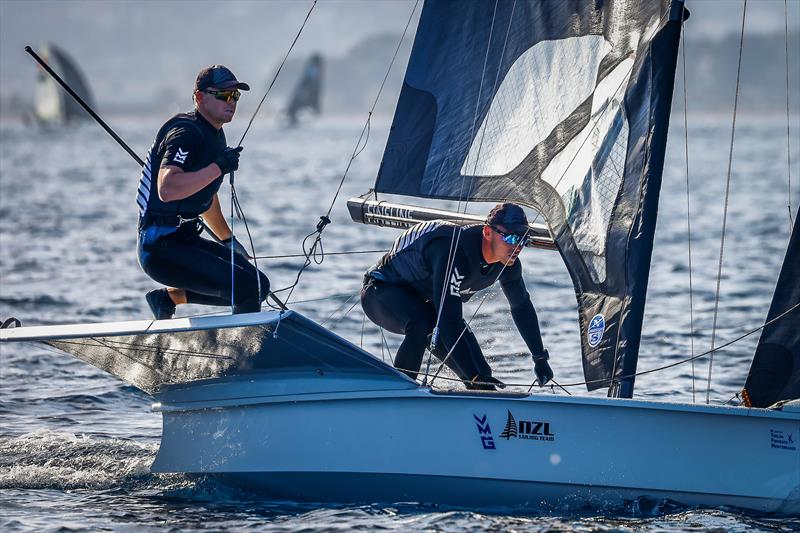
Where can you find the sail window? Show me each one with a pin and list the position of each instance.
(528, 106)
(588, 172)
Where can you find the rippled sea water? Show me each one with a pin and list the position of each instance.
(76, 444)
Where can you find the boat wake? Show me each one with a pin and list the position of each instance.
(60, 460)
(48, 460)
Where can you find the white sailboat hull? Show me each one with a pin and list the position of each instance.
(415, 445)
(275, 402)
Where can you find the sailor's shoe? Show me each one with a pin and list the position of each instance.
(160, 304)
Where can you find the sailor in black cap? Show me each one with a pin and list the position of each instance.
(179, 183)
(430, 270)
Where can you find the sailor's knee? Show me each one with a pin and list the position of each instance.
(419, 326)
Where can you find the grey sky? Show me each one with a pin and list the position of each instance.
(123, 43)
(141, 46)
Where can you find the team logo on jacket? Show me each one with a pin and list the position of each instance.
(527, 430)
(455, 283)
(485, 432)
(597, 326)
(181, 155)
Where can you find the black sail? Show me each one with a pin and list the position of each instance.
(562, 106)
(775, 372)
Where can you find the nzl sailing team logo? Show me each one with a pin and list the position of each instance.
(597, 326)
(485, 432)
(527, 430)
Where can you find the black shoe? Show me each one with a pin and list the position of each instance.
(160, 304)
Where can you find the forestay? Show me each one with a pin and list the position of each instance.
(562, 106)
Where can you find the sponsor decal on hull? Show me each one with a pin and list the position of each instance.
(527, 430)
(485, 432)
(782, 440)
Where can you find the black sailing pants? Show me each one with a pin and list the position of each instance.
(180, 258)
(401, 310)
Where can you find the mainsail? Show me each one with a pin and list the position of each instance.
(562, 106)
(775, 372)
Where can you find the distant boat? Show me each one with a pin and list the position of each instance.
(53, 105)
(306, 95)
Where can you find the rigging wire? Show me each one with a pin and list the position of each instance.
(142, 348)
(235, 205)
(346, 252)
(324, 220)
(562, 385)
(788, 134)
(275, 77)
(468, 322)
(688, 210)
(455, 237)
(341, 306)
(727, 195)
(657, 369)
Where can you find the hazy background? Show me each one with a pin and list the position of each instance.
(142, 56)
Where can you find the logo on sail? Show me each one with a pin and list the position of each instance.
(597, 326)
(485, 432)
(527, 430)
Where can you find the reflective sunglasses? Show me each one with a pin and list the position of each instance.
(225, 96)
(512, 238)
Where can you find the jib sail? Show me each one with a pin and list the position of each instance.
(562, 106)
(775, 372)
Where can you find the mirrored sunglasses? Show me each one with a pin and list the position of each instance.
(512, 238)
(226, 96)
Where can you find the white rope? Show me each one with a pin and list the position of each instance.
(688, 210)
(725, 209)
(455, 238)
(788, 134)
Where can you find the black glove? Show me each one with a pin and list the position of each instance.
(228, 160)
(542, 368)
(237, 246)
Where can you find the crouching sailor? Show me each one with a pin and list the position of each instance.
(435, 266)
(182, 174)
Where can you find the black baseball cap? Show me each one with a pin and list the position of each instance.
(220, 77)
(510, 216)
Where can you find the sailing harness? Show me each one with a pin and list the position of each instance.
(168, 221)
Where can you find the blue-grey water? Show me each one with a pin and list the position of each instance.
(76, 444)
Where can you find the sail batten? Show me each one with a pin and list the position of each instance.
(574, 126)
